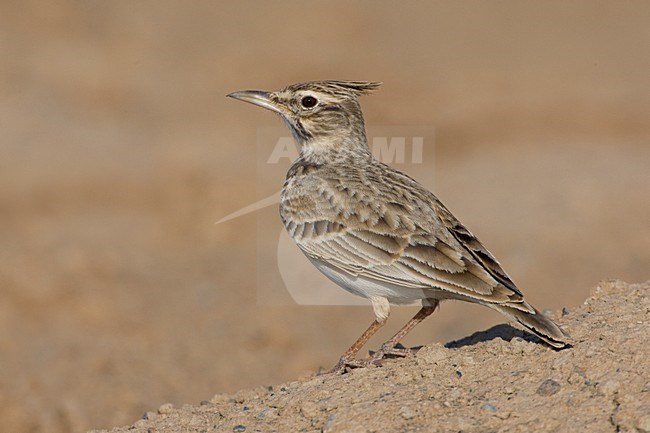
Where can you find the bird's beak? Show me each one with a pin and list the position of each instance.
(256, 97)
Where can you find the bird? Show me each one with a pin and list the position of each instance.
(375, 231)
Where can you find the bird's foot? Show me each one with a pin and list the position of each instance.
(345, 364)
(389, 349)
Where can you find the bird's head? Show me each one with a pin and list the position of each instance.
(323, 116)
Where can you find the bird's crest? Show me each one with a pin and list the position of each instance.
(338, 87)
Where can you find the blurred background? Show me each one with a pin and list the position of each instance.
(119, 151)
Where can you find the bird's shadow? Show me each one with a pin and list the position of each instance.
(502, 331)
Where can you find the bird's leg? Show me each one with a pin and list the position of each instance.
(347, 359)
(389, 347)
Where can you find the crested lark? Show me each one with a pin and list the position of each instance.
(375, 231)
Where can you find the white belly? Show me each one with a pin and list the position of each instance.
(368, 288)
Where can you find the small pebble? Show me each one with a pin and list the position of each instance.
(488, 406)
(239, 428)
(459, 374)
(548, 387)
(406, 412)
(565, 311)
(166, 408)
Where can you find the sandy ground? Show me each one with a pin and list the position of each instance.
(119, 151)
(492, 381)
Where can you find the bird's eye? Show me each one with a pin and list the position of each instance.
(308, 102)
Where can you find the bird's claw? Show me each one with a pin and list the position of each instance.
(344, 365)
(388, 349)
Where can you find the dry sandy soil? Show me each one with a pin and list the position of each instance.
(492, 381)
(119, 151)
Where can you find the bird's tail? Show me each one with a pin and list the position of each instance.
(536, 322)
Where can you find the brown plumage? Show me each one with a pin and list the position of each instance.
(375, 231)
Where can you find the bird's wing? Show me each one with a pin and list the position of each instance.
(380, 224)
(393, 249)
